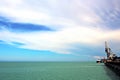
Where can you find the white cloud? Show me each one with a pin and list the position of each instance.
(75, 21)
(98, 57)
(53, 13)
(59, 41)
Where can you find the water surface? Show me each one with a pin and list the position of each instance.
(55, 71)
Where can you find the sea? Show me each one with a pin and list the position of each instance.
(55, 71)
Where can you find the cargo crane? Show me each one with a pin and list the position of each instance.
(110, 54)
(112, 61)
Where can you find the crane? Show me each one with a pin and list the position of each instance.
(110, 54)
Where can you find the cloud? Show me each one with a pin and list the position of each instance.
(53, 13)
(74, 22)
(23, 27)
(59, 41)
(98, 57)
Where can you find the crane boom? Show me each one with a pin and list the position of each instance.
(107, 50)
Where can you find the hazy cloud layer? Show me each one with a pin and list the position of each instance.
(79, 22)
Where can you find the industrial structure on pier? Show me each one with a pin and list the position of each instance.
(112, 61)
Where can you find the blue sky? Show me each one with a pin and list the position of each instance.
(58, 30)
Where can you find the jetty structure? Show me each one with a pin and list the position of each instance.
(112, 61)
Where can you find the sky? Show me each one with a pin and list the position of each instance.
(58, 30)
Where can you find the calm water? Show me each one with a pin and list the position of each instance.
(55, 71)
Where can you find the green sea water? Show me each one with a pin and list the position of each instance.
(55, 71)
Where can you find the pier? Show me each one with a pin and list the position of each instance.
(112, 61)
(114, 66)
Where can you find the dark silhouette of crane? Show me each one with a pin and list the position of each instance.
(110, 54)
